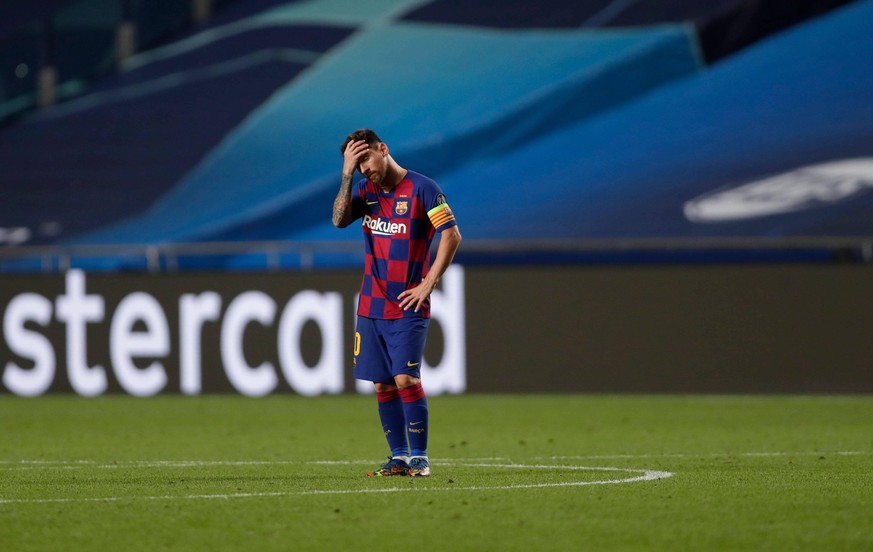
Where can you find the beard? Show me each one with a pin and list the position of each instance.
(377, 176)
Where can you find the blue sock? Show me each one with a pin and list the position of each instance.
(393, 422)
(415, 409)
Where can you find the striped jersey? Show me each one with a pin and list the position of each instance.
(398, 228)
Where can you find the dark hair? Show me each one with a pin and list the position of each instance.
(364, 134)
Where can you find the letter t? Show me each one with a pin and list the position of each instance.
(76, 309)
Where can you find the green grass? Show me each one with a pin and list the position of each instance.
(287, 473)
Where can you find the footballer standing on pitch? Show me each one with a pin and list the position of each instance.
(401, 210)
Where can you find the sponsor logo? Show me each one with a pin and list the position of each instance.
(411, 364)
(382, 227)
(804, 188)
(401, 207)
(70, 333)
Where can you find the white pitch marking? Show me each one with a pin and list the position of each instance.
(646, 475)
(74, 464)
(120, 498)
(64, 464)
(704, 455)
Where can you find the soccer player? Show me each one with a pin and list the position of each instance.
(401, 211)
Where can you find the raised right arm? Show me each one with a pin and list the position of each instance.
(342, 205)
(343, 214)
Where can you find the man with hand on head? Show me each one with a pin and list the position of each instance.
(401, 210)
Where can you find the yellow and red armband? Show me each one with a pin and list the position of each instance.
(441, 215)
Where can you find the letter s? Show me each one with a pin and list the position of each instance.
(28, 344)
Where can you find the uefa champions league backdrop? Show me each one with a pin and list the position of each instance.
(535, 329)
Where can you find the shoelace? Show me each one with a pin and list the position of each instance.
(392, 462)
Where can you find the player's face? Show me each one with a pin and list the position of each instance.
(374, 165)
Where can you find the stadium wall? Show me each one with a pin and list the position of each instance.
(617, 329)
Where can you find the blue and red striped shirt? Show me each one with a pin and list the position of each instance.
(399, 227)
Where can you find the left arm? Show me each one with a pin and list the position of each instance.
(450, 240)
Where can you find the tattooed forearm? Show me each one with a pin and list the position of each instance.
(342, 205)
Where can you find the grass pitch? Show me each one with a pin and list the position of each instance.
(510, 473)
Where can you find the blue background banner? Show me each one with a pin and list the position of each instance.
(606, 120)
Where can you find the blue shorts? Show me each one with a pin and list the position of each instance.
(387, 348)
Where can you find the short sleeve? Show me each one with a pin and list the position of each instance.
(437, 207)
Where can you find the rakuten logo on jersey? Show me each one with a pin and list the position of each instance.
(382, 227)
